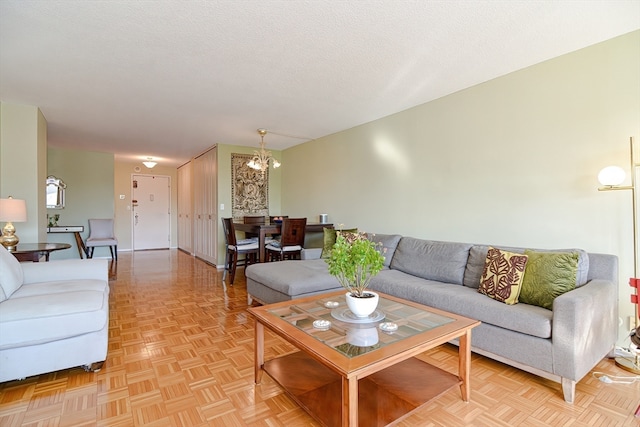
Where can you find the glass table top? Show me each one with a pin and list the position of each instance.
(329, 321)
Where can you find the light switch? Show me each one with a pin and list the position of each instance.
(122, 197)
(221, 206)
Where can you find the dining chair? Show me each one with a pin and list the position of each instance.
(250, 219)
(234, 248)
(101, 234)
(291, 240)
(272, 219)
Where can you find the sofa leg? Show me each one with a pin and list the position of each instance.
(94, 367)
(568, 390)
(249, 299)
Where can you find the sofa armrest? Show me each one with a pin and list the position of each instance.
(584, 328)
(67, 269)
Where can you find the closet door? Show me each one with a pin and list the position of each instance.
(185, 209)
(204, 202)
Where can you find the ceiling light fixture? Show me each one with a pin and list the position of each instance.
(260, 160)
(150, 163)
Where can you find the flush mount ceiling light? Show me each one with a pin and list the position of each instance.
(149, 163)
(260, 160)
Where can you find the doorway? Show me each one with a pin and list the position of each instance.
(151, 212)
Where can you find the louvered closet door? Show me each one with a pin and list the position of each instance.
(205, 200)
(185, 210)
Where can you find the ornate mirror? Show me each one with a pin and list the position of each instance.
(55, 192)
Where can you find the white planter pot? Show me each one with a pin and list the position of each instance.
(362, 307)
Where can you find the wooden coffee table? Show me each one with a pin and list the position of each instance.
(354, 374)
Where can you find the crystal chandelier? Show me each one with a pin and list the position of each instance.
(260, 160)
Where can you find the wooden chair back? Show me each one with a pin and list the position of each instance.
(292, 231)
(229, 231)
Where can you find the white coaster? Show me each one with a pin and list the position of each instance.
(321, 324)
(388, 327)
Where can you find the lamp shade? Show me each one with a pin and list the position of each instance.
(13, 210)
(611, 176)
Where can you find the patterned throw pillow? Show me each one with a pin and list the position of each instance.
(548, 275)
(502, 275)
(330, 236)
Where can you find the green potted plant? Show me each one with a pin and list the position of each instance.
(354, 261)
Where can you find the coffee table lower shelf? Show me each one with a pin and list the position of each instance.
(384, 397)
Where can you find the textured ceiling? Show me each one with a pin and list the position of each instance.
(168, 79)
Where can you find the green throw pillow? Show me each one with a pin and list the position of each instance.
(547, 276)
(330, 235)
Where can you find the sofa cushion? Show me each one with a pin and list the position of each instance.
(547, 276)
(40, 318)
(478, 255)
(60, 286)
(502, 275)
(527, 319)
(330, 236)
(433, 260)
(293, 277)
(389, 244)
(11, 276)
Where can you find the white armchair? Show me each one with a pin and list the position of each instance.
(101, 234)
(53, 315)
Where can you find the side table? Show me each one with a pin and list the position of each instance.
(76, 230)
(34, 251)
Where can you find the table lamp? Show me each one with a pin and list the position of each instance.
(11, 210)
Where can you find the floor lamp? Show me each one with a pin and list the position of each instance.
(611, 177)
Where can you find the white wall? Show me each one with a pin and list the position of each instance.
(513, 161)
(23, 165)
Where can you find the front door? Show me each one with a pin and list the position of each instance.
(151, 212)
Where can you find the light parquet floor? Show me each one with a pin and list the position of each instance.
(181, 354)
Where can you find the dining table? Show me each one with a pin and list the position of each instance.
(262, 230)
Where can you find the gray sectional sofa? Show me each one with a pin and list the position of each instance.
(562, 344)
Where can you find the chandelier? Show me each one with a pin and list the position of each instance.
(260, 160)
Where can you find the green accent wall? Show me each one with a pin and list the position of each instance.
(90, 193)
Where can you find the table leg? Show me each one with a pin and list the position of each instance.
(261, 250)
(80, 244)
(464, 365)
(349, 402)
(258, 351)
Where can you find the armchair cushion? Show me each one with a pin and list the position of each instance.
(64, 312)
(11, 276)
